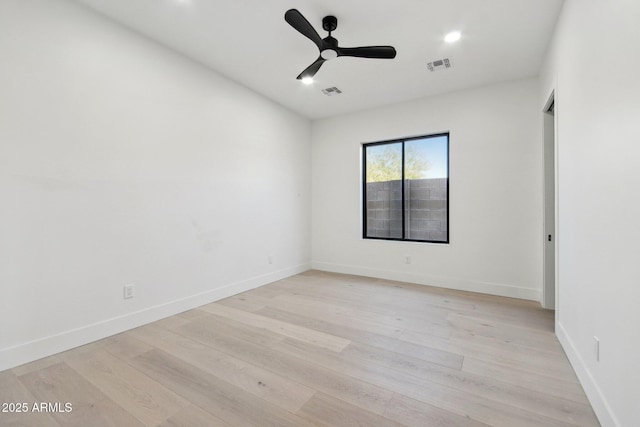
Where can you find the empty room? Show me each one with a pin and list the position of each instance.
(319, 213)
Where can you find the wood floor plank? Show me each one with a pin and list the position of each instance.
(482, 385)
(516, 312)
(142, 397)
(273, 388)
(172, 322)
(359, 393)
(384, 294)
(36, 365)
(381, 296)
(537, 381)
(477, 325)
(247, 301)
(192, 314)
(478, 407)
(323, 409)
(319, 339)
(13, 391)
(193, 416)
(336, 314)
(440, 357)
(242, 331)
(508, 346)
(527, 317)
(393, 320)
(457, 400)
(420, 300)
(59, 383)
(225, 401)
(414, 413)
(124, 346)
(507, 355)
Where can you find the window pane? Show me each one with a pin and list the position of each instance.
(426, 179)
(384, 190)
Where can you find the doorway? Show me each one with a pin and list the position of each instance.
(550, 245)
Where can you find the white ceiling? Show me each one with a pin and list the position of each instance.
(249, 42)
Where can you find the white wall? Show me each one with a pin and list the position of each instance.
(495, 192)
(123, 162)
(593, 66)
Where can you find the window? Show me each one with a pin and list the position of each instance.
(406, 189)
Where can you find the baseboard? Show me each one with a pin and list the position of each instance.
(441, 282)
(37, 349)
(597, 399)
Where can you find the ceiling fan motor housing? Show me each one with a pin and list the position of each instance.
(329, 23)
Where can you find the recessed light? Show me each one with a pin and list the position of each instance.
(452, 37)
(307, 80)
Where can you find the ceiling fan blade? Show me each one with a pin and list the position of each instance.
(380, 52)
(300, 23)
(312, 69)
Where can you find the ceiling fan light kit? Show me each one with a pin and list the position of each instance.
(328, 47)
(452, 37)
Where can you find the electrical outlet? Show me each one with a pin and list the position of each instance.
(128, 291)
(270, 259)
(407, 259)
(596, 348)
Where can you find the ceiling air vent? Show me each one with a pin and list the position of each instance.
(438, 65)
(330, 91)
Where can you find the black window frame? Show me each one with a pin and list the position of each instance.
(404, 226)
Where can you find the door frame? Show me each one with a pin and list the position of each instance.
(550, 171)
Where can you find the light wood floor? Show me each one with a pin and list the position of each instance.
(313, 350)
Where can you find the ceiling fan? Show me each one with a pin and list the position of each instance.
(328, 46)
